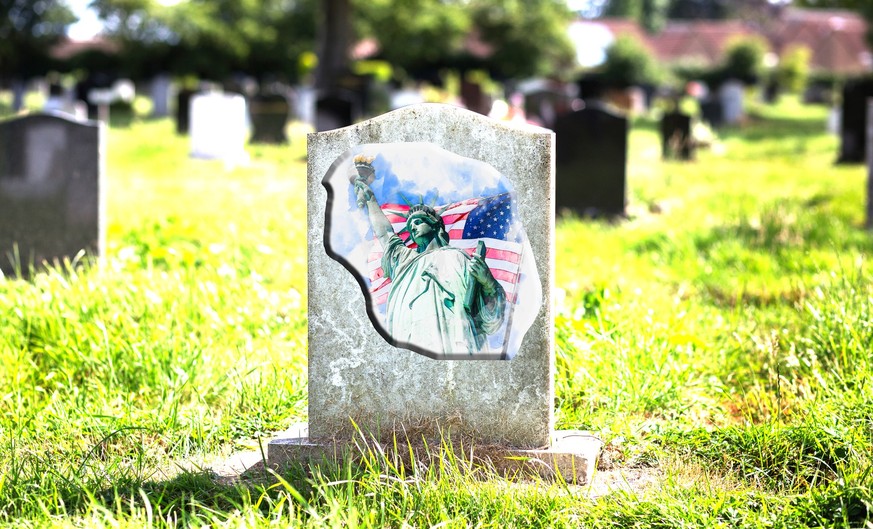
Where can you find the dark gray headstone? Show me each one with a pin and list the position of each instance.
(183, 110)
(336, 109)
(591, 156)
(269, 116)
(51, 203)
(676, 141)
(712, 113)
(853, 130)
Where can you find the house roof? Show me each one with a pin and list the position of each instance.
(836, 38)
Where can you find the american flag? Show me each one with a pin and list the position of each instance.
(489, 219)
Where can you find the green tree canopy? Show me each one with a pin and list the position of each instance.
(28, 28)
(629, 63)
(528, 37)
(212, 38)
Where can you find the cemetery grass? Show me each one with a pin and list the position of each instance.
(718, 341)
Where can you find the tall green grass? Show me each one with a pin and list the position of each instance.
(718, 340)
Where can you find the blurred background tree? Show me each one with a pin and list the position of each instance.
(528, 38)
(793, 69)
(212, 38)
(744, 59)
(28, 29)
(629, 63)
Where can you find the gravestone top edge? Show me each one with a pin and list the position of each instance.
(50, 115)
(432, 109)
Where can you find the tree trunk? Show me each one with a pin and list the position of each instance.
(335, 39)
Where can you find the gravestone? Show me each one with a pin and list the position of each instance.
(711, 112)
(51, 190)
(732, 96)
(269, 116)
(384, 358)
(591, 158)
(853, 128)
(676, 140)
(183, 110)
(218, 127)
(543, 106)
(336, 109)
(869, 220)
(160, 94)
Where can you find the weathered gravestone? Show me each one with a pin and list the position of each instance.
(591, 161)
(853, 128)
(732, 97)
(51, 191)
(269, 116)
(218, 127)
(676, 140)
(455, 338)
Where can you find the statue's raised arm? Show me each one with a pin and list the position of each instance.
(365, 198)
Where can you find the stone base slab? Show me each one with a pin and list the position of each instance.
(572, 456)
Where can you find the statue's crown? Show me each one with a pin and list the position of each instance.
(364, 161)
(423, 209)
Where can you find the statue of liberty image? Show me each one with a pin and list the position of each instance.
(440, 299)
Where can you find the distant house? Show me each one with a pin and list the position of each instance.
(836, 38)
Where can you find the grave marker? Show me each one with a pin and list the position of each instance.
(592, 161)
(676, 140)
(218, 127)
(51, 190)
(365, 373)
(853, 127)
(269, 115)
(732, 96)
(869, 163)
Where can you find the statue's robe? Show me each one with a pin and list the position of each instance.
(425, 306)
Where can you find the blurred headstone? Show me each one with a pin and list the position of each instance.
(732, 94)
(543, 106)
(853, 129)
(51, 192)
(59, 100)
(676, 140)
(405, 97)
(336, 109)
(591, 147)
(160, 94)
(869, 162)
(218, 127)
(711, 112)
(269, 116)
(183, 110)
(474, 97)
(834, 120)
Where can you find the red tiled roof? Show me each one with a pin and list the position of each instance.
(836, 38)
(705, 40)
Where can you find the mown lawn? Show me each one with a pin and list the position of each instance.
(719, 341)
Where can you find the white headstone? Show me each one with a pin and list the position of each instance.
(218, 127)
